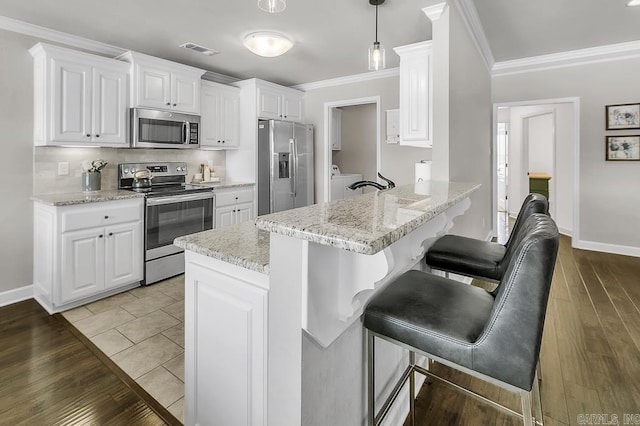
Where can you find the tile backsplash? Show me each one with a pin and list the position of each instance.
(47, 181)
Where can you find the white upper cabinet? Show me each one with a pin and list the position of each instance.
(79, 99)
(279, 103)
(335, 129)
(416, 116)
(220, 115)
(160, 84)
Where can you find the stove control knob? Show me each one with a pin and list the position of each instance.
(126, 171)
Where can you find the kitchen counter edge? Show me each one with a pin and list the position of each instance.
(73, 198)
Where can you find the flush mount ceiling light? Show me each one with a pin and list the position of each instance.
(267, 43)
(272, 6)
(633, 3)
(376, 51)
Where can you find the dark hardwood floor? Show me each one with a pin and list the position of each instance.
(590, 355)
(590, 361)
(48, 376)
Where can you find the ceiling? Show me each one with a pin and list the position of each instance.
(331, 37)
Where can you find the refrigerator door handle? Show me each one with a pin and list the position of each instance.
(293, 164)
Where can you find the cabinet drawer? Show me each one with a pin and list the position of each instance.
(100, 214)
(234, 197)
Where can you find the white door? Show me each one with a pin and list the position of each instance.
(109, 122)
(539, 151)
(123, 254)
(154, 89)
(185, 93)
(225, 371)
(503, 145)
(209, 120)
(72, 97)
(225, 216)
(244, 212)
(82, 272)
(269, 104)
(291, 107)
(230, 118)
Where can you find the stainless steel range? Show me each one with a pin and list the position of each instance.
(173, 208)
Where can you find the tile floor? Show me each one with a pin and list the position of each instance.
(142, 331)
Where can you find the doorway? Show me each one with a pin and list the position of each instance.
(351, 140)
(542, 135)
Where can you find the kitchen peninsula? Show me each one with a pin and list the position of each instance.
(272, 311)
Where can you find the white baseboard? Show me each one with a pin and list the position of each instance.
(565, 231)
(16, 295)
(607, 248)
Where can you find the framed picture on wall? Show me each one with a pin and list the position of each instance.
(623, 148)
(623, 116)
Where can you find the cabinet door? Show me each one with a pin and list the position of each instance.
(185, 93)
(123, 254)
(335, 130)
(292, 107)
(244, 212)
(225, 216)
(153, 88)
(229, 118)
(415, 99)
(82, 272)
(209, 135)
(269, 104)
(72, 102)
(226, 370)
(109, 107)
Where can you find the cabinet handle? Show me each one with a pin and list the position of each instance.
(285, 116)
(88, 135)
(223, 141)
(106, 217)
(97, 136)
(110, 234)
(100, 236)
(168, 103)
(236, 198)
(174, 104)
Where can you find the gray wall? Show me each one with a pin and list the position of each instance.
(469, 123)
(16, 151)
(609, 199)
(396, 162)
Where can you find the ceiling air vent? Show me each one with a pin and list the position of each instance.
(200, 49)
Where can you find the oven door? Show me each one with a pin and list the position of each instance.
(174, 216)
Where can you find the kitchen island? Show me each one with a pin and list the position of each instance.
(275, 338)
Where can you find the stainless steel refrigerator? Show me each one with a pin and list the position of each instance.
(285, 165)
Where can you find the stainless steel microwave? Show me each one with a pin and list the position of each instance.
(152, 128)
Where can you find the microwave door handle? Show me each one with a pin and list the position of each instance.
(185, 131)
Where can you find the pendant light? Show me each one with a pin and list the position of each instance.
(272, 6)
(376, 51)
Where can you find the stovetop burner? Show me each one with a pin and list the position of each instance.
(168, 179)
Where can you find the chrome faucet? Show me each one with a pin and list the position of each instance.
(361, 183)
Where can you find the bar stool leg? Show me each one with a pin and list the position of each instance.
(371, 414)
(412, 388)
(526, 408)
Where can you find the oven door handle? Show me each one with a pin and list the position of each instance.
(159, 201)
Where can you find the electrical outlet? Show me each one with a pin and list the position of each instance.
(63, 168)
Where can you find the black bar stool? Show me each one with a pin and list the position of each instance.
(482, 259)
(493, 337)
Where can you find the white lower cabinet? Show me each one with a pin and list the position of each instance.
(83, 252)
(234, 206)
(225, 342)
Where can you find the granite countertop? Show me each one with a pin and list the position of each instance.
(242, 245)
(371, 222)
(72, 198)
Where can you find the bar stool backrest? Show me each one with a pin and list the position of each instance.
(509, 346)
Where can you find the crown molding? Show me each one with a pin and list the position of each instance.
(219, 78)
(37, 31)
(471, 20)
(611, 52)
(349, 79)
(435, 12)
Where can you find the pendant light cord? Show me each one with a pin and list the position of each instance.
(376, 22)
